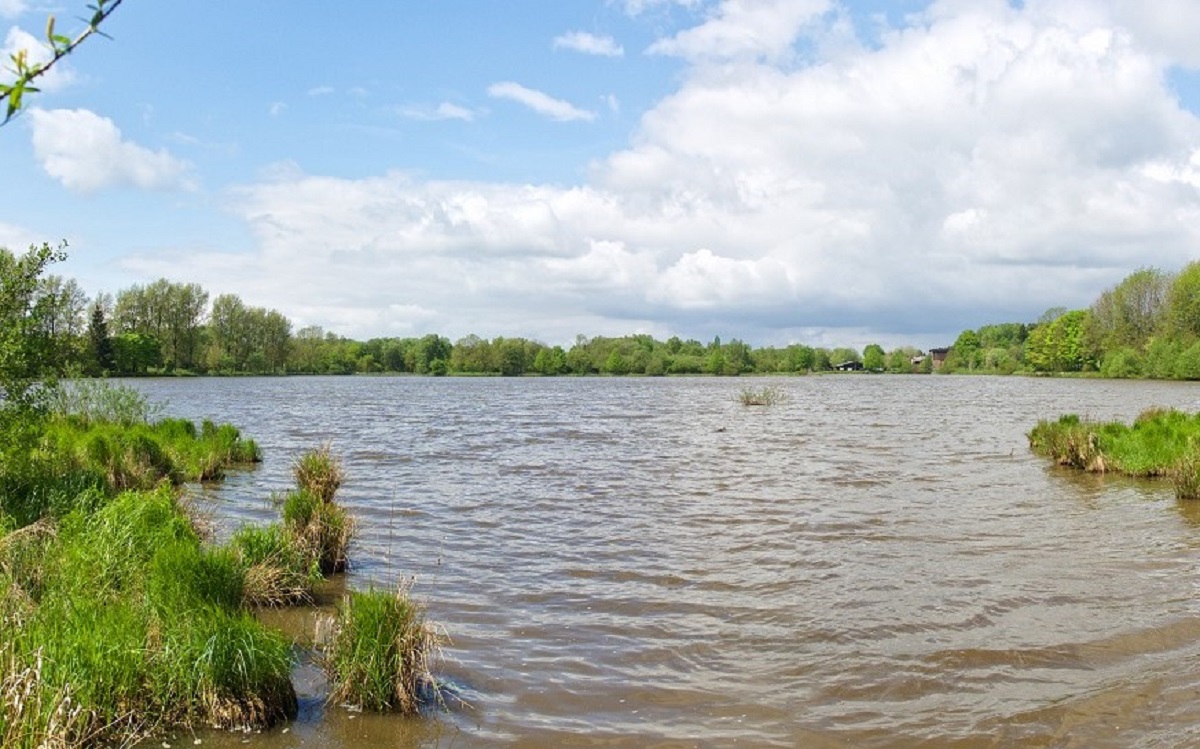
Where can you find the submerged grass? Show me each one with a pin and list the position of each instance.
(1159, 442)
(381, 654)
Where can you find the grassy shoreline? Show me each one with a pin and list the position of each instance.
(1158, 443)
(118, 620)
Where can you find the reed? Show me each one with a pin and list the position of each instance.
(321, 528)
(381, 653)
(768, 395)
(1159, 443)
(277, 571)
(319, 472)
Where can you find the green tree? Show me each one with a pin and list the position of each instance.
(1130, 313)
(1058, 346)
(965, 353)
(27, 351)
(874, 357)
(1183, 302)
(102, 359)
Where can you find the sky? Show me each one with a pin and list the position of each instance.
(812, 171)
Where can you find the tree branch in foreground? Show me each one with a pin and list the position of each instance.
(12, 94)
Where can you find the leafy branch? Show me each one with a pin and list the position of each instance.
(26, 72)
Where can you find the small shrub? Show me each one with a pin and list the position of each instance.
(318, 472)
(381, 652)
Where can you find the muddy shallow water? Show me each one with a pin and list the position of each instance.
(877, 562)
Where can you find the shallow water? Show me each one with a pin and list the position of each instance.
(878, 562)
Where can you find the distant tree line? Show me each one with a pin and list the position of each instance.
(173, 328)
(1148, 325)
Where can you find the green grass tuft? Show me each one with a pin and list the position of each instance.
(381, 653)
(1159, 442)
(319, 473)
(768, 395)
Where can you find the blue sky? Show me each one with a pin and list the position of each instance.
(775, 170)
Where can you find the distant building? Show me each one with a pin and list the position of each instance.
(939, 356)
(849, 366)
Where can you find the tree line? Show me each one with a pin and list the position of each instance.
(168, 327)
(1148, 325)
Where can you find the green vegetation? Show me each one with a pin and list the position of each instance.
(1148, 325)
(116, 619)
(768, 395)
(1160, 442)
(381, 651)
(171, 328)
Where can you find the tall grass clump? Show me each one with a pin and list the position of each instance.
(1159, 442)
(117, 620)
(318, 472)
(100, 401)
(768, 395)
(320, 529)
(381, 652)
(278, 572)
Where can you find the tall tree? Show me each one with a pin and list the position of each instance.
(26, 346)
(102, 359)
(1130, 313)
(1183, 302)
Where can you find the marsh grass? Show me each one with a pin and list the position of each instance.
(318, 472)
(381, 653)
(321, 529)
(1186, 477)
(1159, 443)
(117, 620)
(277, 571)
(767, 395)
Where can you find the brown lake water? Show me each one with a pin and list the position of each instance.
(878, 562)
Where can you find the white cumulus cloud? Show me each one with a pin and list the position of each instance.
(979, 164)
(85, 152)
(744, 28)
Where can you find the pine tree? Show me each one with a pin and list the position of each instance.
(103, 361)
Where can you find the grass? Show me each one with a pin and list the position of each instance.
(319, 473)
(381, 652)
(277, 571)
(132, 624)
(321, 529)
(1159, 443)
(767, 395)
(117, 619)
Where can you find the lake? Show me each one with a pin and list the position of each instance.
(877, 562)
